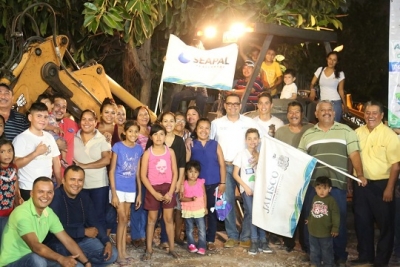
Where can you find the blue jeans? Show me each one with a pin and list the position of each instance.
(321, 249)
(339, 242)
(249, 230)
(139, 219)
(201, 227)
(211, 217)
(230, 221)
(33, 259)
(337, 107)
(92, 248)
(163, 232)
(100, 199)
(111, 218)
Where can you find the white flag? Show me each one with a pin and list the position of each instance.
(195, 67)
(283, 175)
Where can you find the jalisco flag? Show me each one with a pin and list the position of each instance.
(394, 65)
(195, 67)
(282, 178)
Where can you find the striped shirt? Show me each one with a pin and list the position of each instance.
(16, 124)
(332, 147)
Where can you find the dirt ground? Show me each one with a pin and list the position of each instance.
(232, 257)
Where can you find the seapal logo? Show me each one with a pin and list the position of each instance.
(185, 58)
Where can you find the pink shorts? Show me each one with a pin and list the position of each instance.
(151, 203)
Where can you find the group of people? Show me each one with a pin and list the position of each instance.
(64, 185)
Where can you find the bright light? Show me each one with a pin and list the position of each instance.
(238, 29)
(210, 32)
(338, 48)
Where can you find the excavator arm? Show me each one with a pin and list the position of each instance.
(40, 67)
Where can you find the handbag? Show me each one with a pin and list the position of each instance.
(222, 207)
(317, 88)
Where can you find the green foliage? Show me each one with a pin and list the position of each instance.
(134, 19)
(307, 14)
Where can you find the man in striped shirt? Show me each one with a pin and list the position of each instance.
(16, 122)
(333, 143)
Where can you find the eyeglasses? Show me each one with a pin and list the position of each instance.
(229, 104)
(180, 121)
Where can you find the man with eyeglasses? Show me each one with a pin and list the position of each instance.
(229, 131)
(265, 119)
(15, 122)
(334, 143)
(68, 127)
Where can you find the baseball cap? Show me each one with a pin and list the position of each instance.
(249, 63)
(6, 86)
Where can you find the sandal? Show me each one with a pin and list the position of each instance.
(147, 256)
(138, 243)
(174, 254)
(123, 263)
(164, 246)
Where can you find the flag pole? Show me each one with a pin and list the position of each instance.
(320, 161)
(339, 171)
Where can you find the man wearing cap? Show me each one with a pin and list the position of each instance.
(15, 123)
(240, 87)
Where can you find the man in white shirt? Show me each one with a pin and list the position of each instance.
(265, 119)
(229, 131)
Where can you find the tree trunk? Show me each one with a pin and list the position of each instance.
(139, 60)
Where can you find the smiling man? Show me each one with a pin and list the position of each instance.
(229, 131)
(374, 203)
(77, 215)
(16, 122)
(291, 134)
(265, 119)
(28, 226)
(68, 126)
(333, 143)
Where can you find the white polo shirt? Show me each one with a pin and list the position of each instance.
(231, 135)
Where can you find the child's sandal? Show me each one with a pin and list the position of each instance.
(147, 256)
(174, 254)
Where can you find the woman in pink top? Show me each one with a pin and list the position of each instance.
(159, 174)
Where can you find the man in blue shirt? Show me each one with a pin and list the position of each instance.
(77, 215)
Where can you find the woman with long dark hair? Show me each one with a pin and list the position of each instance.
(331, 83)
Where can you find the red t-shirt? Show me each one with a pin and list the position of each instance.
(70, 128)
